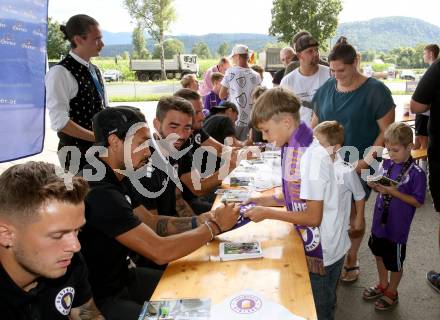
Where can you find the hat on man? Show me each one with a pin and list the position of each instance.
(304, 42)
(239, 49)
(115, 120)
(224, 105)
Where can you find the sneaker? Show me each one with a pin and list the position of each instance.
(434, 280)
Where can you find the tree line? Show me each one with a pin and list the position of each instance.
(319, 17)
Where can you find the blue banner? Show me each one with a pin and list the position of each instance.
(23, 34)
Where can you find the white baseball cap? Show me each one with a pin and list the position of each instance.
(239, 49)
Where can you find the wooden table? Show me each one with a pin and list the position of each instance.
(281, 276)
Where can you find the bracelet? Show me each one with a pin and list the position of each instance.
(210, 230)
(194, 222)
(217, 225)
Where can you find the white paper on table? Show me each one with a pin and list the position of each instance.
(248, 304)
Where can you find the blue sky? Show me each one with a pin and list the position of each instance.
(197, 17)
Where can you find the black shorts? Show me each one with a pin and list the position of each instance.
(392, 254)
(422, 125)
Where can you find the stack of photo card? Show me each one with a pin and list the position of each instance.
(235, 195)
(182, 309)
(240, 250)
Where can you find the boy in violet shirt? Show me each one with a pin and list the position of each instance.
(393, 213)
(212, 99)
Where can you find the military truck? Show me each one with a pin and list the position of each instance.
(180, 65)
(270, 60)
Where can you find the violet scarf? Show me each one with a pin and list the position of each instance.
(291, 159)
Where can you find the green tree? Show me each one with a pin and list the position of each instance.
(223, 49)
(275, 45)
(57, 46)
(201, 49)
(125, 55)
(139, 44)
(171, 47)
(369, 55)
(155, 16)
(319, 17)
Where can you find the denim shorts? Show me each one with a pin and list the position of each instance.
(324, 289)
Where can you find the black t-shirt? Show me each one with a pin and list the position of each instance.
(196, 139)
(428, 92)
(185, 163)
(109, 213)
(278, 76)
(159, 183)
(50, 299)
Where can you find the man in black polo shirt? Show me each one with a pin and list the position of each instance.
(42, 275)
(200, 194)
(173, 116)
(118, 226)
(427, 97)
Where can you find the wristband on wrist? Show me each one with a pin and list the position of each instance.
(194, 222)
(210, 230)
(217, 225)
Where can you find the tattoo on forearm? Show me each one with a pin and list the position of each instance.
(162, 227)
(182, 207)
(169, 225)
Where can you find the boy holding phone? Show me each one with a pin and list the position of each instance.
(393, 213)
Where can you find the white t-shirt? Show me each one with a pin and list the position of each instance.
(304, 87)
(319, 181)
(240, 83)
(349, 187)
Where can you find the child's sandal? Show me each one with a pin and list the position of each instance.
(387, 301)
(373, 292)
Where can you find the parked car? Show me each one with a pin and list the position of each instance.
(112, 75)
(408, 75)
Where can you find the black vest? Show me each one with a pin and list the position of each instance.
(85, 104)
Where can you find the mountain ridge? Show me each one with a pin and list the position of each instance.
(379, 34)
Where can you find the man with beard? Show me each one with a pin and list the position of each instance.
(174, 117)
(305, 80)
(118, 226)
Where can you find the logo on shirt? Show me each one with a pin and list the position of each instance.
(128, 199)
(64, 300)
(246, 304)
(198, 138)
(311, 238)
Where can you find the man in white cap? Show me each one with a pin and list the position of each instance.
(237, 86)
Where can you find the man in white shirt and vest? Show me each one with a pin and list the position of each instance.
(75, 91)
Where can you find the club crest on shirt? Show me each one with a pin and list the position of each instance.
(241, 100)
(241, 81)
(64, 300)
(198, 138)
(311, 238)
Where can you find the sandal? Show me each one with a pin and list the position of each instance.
(355, 271)
(387, 301)
(373, 292)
